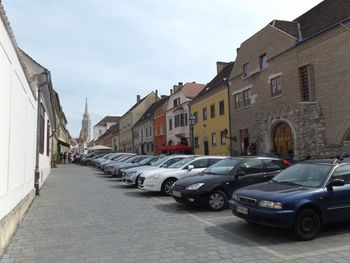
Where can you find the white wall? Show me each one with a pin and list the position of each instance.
(97, 131)
(18, 128)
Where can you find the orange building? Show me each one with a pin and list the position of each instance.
(159, 123)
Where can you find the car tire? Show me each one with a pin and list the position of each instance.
(217, 200)
(137, 181)
(307, 224)
(166, 186)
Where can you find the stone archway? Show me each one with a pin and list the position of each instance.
(282, 139)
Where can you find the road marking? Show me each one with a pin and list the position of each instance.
(263, 248)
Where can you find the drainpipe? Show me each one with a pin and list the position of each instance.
(37, 172)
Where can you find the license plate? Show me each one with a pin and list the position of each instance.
(177, 194)
(242, 210)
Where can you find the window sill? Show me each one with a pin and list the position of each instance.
(276, 97)
(309, 102)
(246, 107)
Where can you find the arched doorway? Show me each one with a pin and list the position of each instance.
(283, 142)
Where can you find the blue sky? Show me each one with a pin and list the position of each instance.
(109, 51)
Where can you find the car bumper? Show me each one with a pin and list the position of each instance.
(190, 197)
(263, 216)
(153, 186)
(129, 180)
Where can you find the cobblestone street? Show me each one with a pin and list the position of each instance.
(82, 216)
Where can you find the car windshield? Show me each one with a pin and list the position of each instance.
(160, 161)
(181, 163)
(147, 160)
(223, 167)
(304, 174)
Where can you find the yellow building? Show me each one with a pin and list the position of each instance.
(210, 107)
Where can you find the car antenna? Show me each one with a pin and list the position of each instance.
(340, 158)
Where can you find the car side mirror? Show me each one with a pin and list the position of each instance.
(163, 166)
(335, 182)
(190, 167)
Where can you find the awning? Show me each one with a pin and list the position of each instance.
(178, 147)
(63, 143)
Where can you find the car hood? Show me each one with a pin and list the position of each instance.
(202, 178)
(273, 191)
(156, 171)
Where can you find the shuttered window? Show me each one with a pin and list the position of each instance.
(306, 83)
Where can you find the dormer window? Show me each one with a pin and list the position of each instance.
(263, 61)
(246, 70)
(176, 102)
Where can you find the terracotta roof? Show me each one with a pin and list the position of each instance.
(292, 28)
(191, 89)
(149, 113)
(137, 103)
(106, 119)
(217, 82)
(322, 16)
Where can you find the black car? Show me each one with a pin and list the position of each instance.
(215, 185)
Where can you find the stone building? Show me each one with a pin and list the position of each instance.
(143, 129)
(107, 138)
(178, 112)
(103, 125)
(290, 86)
(86, 125)
(129, 119)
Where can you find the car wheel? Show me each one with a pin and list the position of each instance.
(137, 182)
(166, 186)
(217, 200)
(307, 224)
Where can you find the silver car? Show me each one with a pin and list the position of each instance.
(130, 177)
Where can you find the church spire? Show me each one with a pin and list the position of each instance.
(86, 107)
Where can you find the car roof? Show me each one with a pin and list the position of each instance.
(253, 157)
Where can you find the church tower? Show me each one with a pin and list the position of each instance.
(86, 125)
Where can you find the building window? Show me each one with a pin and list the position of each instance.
(99, 132)
(223, 137)
(42, 129)
(147, 147)
(246, 97)
(205, 114)
(170, 124)
(212, 111)
(150, 131)
(196, 142)
(276, 86)
(161, 130)
(48, 138)
(181, 120)
(246, 70)
(141, 135)
(176, 102)
(263, 61)
(146, 132)
(306, 83)
(177, 121)
(213, 139)
(196, 117)
(222, 107)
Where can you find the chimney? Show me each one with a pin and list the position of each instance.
(175, 88)
(138, 98)
(220, 66)
(156, 92)
(237, 50)
(171, 91)
(180, 85)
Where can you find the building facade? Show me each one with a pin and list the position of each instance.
(128, 120)
(86, 124)
(107, 138)
(289, 86)
(159, 126)
(211, 111)
(103, 125)
(143, 130)
(177, 112)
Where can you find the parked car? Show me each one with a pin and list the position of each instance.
(304, 198)
(162, 181)
(131, 176)
(215, 185)
(113, 168)
(107, 158)
(140, 162)
(146, 162)
(87, 158)
(117, 158)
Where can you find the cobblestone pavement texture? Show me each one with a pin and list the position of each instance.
(82, 216)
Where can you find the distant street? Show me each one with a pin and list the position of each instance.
(82, 216)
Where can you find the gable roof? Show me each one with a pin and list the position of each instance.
(323, 16)
(291, 28)
(137, 103)
(149, 113)
(217, 82)
(106, 119)
(191, 89)
(113, 129)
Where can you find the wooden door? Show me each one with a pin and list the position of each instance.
(283, 141)
(244, 140)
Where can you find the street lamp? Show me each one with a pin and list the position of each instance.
(192, 121)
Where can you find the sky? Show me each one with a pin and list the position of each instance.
(112, 50)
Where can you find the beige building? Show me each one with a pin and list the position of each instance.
(290, 84)
(129, 119)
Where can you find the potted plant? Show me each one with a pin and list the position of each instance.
(54, 160)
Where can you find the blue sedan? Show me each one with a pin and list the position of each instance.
(303, 197)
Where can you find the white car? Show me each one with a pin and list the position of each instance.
(162, 181)
(131, 176)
